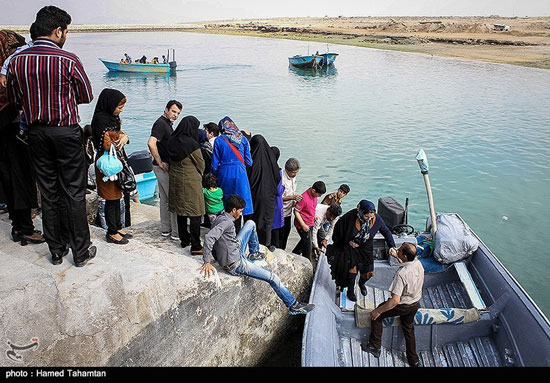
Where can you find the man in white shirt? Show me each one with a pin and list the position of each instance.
(406, 290)
(323, 214)
(290, 198)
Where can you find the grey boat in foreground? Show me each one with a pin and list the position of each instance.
(509, 330)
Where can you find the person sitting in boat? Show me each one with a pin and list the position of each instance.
(127, 58)
(143, 60)
(155, 60)
(406, 290)
(223, 244)
(352, 247)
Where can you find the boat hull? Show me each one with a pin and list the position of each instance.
(328, 58)
(114, 66)
(305, 61)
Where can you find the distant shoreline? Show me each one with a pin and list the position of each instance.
(526, 42)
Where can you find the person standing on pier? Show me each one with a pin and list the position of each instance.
(157, 143)
(49, 83)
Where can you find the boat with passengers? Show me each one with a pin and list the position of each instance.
(473, 313)
(137, 67)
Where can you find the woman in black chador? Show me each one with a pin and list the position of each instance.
(264, 177)
(352, 247)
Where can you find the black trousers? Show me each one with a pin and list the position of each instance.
(406, 313)
(193, 235)
(304, 245)
(21, 220)
(113, 216)
(276, 237)
(59, 164)
(285, 232)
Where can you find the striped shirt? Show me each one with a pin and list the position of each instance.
(48, 83)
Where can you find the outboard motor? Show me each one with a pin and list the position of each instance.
(141, 162)
(394, 215)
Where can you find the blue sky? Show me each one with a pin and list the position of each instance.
(16, 12)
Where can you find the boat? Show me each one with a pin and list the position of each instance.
(328, 58)
(305, 61)
(141, 163)
(116, 66)
(506, 328)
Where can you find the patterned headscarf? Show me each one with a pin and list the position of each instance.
(9, 42)
(228, 128)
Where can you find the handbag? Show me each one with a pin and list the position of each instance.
(109, 165)
(126, 179)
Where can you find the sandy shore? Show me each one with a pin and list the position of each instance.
(526, 43)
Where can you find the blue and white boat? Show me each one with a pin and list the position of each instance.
(305, 61)
(328, 58)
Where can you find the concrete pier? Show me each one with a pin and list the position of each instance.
(140, 304)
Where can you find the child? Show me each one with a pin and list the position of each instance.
(304, 214)
(336, 197)
(212, 196)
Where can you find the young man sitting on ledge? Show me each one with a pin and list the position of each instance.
(222, 243)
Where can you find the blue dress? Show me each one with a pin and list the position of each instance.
(278, 218)
(231, 172)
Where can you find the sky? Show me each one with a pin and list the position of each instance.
(22, 12)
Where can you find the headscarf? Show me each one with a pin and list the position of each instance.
(185, 139)
(103, 118)
(9, 42)
(228, 128)
(277, 152)
(364, 207)
(264, 177)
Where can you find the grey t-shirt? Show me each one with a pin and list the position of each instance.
(408, 282)
(222, 238)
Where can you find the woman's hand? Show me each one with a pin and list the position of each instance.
(123, 140)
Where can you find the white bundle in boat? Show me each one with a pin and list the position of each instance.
(453, 240)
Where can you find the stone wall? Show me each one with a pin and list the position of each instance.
(140, 304)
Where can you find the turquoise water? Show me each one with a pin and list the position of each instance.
(485, 127)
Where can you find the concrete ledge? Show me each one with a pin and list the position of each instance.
(140, 304)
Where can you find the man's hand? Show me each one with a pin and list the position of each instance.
(207, 269)
(370, 274)
(3, 81)
(298, 197)
(353, 244)
(305, 227)
(324, 243)
(393, 252)
(374, 314)
(317, 251)
(164, 166)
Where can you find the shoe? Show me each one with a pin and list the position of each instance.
(57, 258)
(165, 233)
(370, 349)
(110, 239)
(125, 235)
(197, 252)
(272, 248)
(174, 238)
(417, 364)
(363, 289)
(351, 295)
(91, 254)
(36, 237)
(253, 257)
(300, 308)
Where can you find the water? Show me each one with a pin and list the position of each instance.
(485, 127)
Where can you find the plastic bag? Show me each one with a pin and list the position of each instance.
(453, 240)
(109, 165)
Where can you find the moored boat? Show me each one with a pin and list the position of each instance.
(305, 61)
(486, 317)
(328, 58)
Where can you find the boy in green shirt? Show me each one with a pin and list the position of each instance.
(212, 196)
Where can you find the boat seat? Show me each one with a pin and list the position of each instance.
(469, 285)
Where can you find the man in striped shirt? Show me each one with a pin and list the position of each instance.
(49, 83)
